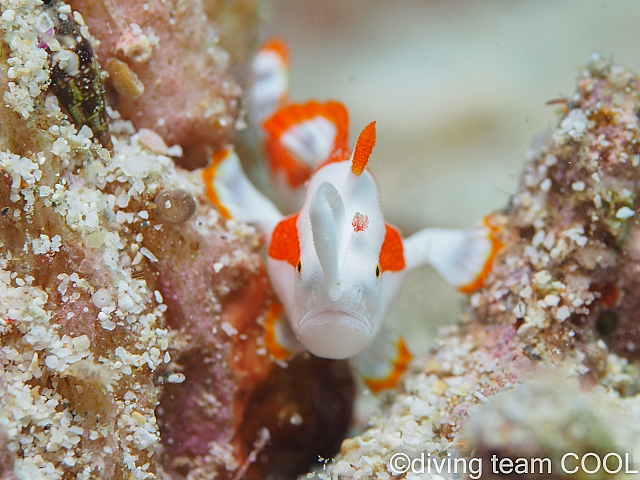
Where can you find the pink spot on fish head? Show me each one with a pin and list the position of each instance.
(360, 222)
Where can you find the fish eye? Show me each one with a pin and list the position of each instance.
(377, 271)
(299, 267)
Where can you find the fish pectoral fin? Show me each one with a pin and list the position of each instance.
(280, 340)
(383, 363)
(464, 258)
(228, 188)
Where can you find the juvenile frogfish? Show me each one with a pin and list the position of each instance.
(336, 265)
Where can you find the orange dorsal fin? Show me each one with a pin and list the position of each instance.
(295, 113)
(392, 251)
(285, 244)
(298, 140)
(364, 147)
(295, 172)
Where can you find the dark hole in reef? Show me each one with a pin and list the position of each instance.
(519, 323)
(607, 322)
(578, 320)
(307, 408)
(526, 233)
(602, 234)
(583, 211)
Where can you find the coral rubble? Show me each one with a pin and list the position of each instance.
(130, 311)
(563, 294)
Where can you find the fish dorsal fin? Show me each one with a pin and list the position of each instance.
(326, 213)
(271, 87)
(364, 147)
(312, 133)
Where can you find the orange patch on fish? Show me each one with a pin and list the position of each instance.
(277, 46)
(285, 244)
(281, 160)
(392, 251)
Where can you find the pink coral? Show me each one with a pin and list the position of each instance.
(190, 97)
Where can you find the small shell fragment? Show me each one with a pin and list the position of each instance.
(152, 141)
(124, 80)
(624, 213)
(135, 45)
(101, 298)
(174, 206)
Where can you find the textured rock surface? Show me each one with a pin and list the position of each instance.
(130, 311)
(562, 294)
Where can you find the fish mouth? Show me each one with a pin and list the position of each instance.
(334, 333)
(346, 318)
